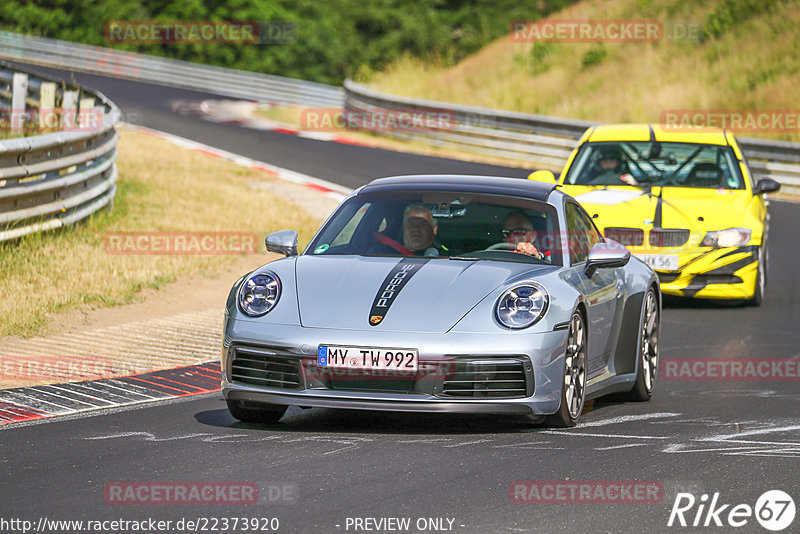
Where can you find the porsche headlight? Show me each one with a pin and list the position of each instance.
(732, 237)
(522, 306)
(259, 293)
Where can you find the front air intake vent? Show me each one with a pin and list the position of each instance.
(668, 237)
(265, 367)
(487, 378)
(630, 237)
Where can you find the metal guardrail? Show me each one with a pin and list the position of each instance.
(227, 82)
(537, 139)
(51, 180)
(778, 160)
(540, 140)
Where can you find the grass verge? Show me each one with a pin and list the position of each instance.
(161, 188)
(742, 55)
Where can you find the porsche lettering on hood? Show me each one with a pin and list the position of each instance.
(356, 292)
(391, 287)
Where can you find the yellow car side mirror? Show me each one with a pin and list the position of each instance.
(542, 176)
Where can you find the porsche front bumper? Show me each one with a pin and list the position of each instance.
(277, 364)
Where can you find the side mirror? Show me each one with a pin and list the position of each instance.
(283, 242)
(542, 176)
(605, 256)
(766, 185)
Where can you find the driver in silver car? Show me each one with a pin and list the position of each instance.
(518, 231)
(419, 230)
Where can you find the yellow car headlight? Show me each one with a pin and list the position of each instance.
(732, 237)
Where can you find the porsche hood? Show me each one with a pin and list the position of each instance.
(397, 294)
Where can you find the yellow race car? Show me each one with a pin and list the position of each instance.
(682, 201)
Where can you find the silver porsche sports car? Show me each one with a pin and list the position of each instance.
(464, 294)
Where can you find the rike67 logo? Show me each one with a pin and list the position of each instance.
(774, 510)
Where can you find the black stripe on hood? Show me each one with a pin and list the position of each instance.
(394, 282)
(657, 216)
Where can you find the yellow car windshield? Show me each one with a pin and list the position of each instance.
(655, 163)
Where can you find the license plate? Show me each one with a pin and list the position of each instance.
(660, 262)
(346, 357)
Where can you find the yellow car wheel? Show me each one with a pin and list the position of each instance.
(760, 284)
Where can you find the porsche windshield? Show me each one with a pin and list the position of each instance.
(653, 163)
(442, 224)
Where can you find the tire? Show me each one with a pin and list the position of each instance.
(647, 353)
(265, 413)
(761, 280)
(573, 387)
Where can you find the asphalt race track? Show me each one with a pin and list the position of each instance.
(319, 467)
(349, 165)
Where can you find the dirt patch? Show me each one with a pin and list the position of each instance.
(187, 293)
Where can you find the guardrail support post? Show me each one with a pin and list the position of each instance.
(48, 118)
(69, 108)
(85, 114)
(18, 96)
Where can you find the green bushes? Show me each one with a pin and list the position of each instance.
(335, 39)
(732, 13)
(593, 56)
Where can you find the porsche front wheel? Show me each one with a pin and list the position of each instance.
(573, 387)
(647, 355)
(267, 413)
